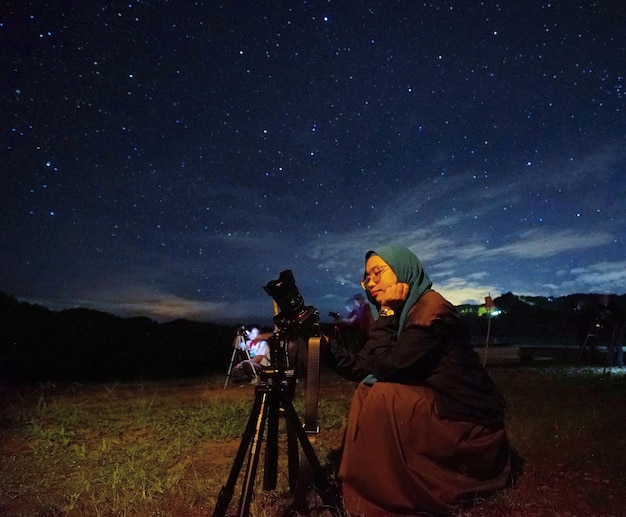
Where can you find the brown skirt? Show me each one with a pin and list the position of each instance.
(401, 459)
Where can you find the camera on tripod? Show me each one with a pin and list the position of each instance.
(273, 397)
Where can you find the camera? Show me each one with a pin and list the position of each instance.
(294, 315)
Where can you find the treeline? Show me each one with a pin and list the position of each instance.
(37, 344)
(85, 345)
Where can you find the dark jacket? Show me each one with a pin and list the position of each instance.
(432, 350)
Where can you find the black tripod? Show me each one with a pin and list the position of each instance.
(273, 396)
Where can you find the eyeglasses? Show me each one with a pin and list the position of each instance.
(374, 276)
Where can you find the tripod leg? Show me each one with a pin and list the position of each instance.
(322, 485)
(253, 459)
(230, 366)
(255, 375)
(252, 434)
(300, 475)
(293, 457)
(293, 449)
(270, 473)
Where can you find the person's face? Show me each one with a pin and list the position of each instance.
(378, 276)
(254, 332)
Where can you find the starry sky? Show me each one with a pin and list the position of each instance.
(168, 158)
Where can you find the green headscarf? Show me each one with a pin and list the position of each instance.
(409, 270)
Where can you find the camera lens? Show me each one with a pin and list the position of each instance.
(290, 302)
(285, 293)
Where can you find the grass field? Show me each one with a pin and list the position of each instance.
(166, 448)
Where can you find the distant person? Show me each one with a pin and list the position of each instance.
(344, 329)
(258, 350)
(587, 327)
(613, 321)
(360, 321)
(425, 433)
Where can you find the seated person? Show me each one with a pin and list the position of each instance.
(425, 433)
(258, 350)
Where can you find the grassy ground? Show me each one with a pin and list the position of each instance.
(165, 449)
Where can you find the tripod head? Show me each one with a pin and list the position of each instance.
(279, 355)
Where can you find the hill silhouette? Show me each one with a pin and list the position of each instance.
(38, 344)
(86, 345)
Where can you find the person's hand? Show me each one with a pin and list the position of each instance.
(394, 296)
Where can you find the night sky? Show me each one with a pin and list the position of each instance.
(168, 158)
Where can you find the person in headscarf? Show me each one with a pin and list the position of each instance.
(425, 433)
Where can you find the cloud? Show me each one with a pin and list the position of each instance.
(162, 306)
(601, 276)
(459, 291)
(539, 243)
